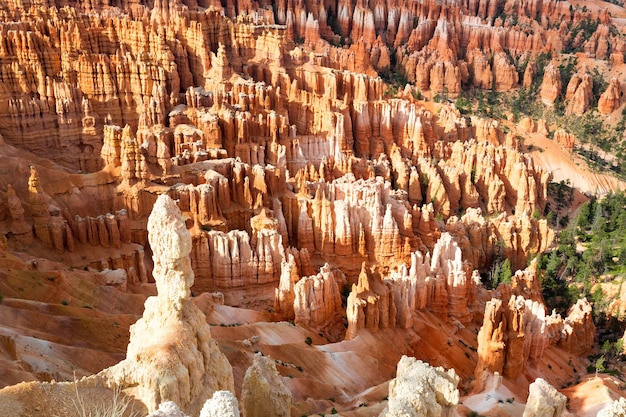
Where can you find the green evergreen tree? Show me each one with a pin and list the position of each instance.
(583, 216)
(600, 365)
(505, 272)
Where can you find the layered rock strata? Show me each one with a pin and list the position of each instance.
(129, 73)
(286, 156)
(370, 304)
(317, 302)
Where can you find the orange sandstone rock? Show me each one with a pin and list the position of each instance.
(370, 304)
(551, 85)
(611, 98)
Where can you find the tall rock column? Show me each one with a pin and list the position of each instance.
(284, 295)
(370, 304)
(39, 207)
(491, 339)
(611, 98)
(171, 355)
(317, 301)
(21, 230)
(551, 85)
(513, 334)
(579, 331)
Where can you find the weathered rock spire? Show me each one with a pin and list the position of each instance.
(171, 355)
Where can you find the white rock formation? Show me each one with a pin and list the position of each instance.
(317, 304)
(444, 283)
(616, 409)
(544, 400)
(370, 304)
(223, 404)
(284, 295)
(167, 409)
(419, 390)
(171, 355)
(263, 393)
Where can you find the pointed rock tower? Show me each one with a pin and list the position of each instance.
(171, 355)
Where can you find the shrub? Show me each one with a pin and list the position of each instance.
(118, 406)
(308, 341)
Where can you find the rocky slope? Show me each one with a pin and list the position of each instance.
(332, 218)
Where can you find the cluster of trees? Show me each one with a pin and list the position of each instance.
(500, 272)
(591, 247)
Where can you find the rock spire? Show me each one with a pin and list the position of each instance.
(171, 355)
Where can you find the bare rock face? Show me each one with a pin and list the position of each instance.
(551, 85)
(263, 393)
(520, 237)
(527, 284)
(616, 409)
(505, 73)
(370, 304)
(529, 74)
(171, 355)
(234, 260)
(284, 295)
(282, 168)
(421, 390)
(527, 124)
(579, 331)
(222, 404)
(580, 93)
(317, 303)
(491, 338)
(444, 284)
(513, 334)
(544, 400)
(611, 98)
(566, 140)
(22, 231)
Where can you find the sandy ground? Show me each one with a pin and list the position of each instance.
(614, 10)
(593, 394)
(566, 166)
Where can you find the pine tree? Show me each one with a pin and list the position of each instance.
(505, 272)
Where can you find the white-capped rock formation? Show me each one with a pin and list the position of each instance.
(222, 404)
(263, 393)
(616, 409)
(544, 400)
(167, 409)
(421, 390)
(171, 355)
